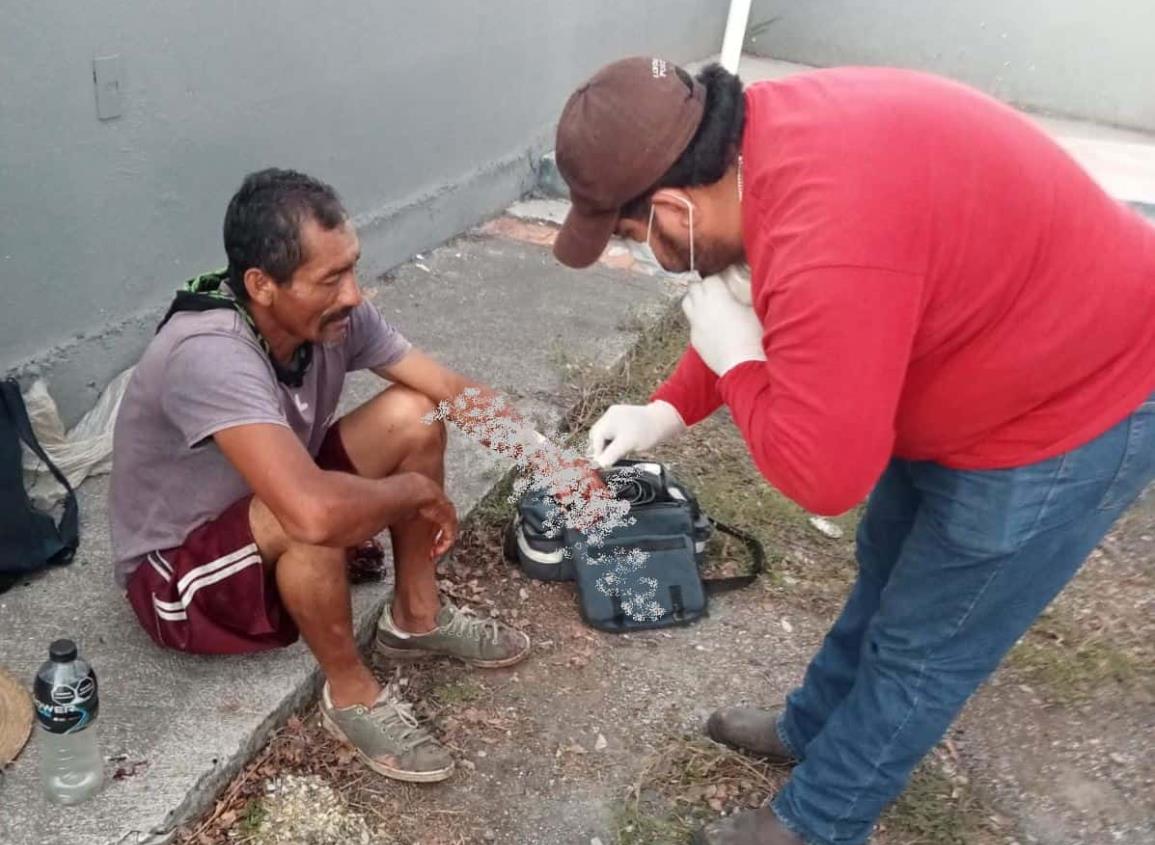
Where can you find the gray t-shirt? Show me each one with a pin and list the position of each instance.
(202, 373)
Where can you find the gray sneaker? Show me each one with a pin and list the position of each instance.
(388, 738)
(486, 643)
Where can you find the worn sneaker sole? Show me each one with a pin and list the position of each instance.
(434, 776)
(415, 654)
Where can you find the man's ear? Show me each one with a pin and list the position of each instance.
(260, 286)
(674, 208)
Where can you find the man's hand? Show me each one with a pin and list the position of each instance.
(431, 504)
(443, 515)
(724, 332)
(625, 429)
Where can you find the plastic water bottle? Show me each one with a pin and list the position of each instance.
(71, 768)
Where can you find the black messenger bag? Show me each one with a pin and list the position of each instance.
(668, 525)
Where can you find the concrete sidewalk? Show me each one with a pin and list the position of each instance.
(499, 309)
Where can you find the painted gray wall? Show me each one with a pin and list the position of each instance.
(425, 114)
(1073, 57)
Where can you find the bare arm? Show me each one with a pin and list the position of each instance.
(430, 377)
(324, 508)
(441, 384)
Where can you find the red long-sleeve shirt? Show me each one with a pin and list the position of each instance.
(937, 280)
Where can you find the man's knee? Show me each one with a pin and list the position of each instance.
(942, 670)
(275, 544)
(408, 415)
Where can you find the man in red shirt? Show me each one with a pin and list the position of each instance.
(939, 306)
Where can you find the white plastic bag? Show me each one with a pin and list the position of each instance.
(85, 450)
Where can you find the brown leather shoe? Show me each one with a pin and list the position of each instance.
(755, 827)
(750, 729)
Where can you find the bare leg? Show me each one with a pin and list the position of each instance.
(315, 591)
(382, 437)
(385, 436)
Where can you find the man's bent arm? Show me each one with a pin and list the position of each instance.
(692, 389)
(431, 378)
(324, 508)
(819, 414)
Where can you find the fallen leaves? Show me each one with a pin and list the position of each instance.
(692, 771)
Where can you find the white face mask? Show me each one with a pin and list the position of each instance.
(645, 253)
(650, 228)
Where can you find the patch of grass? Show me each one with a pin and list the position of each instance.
(1068, 666)
(694, 770)
(251, 818)
(494, 510)
(691, 780)
(712, 460)
(635, 825)
(935, 809)
(456, 692)
(592, 390)
(685, 784)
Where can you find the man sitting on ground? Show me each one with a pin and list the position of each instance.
(236, 491)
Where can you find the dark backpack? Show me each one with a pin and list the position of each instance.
(29, 539)
(668, 525)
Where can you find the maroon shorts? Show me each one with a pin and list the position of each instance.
(213, 594)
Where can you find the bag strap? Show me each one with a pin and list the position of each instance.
(69, 527)
(757, 556)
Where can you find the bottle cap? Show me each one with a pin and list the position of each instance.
(62, 651)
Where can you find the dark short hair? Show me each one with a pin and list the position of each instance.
(715, 144)
(263, 223)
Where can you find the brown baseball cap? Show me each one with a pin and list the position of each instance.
(618, 135)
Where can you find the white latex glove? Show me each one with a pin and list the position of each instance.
(737, 279)
(624, 429)
(725, 332)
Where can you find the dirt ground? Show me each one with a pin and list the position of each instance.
(597, 737)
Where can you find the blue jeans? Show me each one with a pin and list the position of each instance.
(954, 566)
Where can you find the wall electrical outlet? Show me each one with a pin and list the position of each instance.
(106, 75)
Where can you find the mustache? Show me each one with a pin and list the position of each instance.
(337, 317)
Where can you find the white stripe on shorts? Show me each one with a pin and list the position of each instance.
(159, 569)
(212, 566)
(169, 615)
(220, 574)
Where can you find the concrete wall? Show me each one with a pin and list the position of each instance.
(1074, 57)
(425, 115)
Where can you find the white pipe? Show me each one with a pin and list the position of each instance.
(735, 35)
